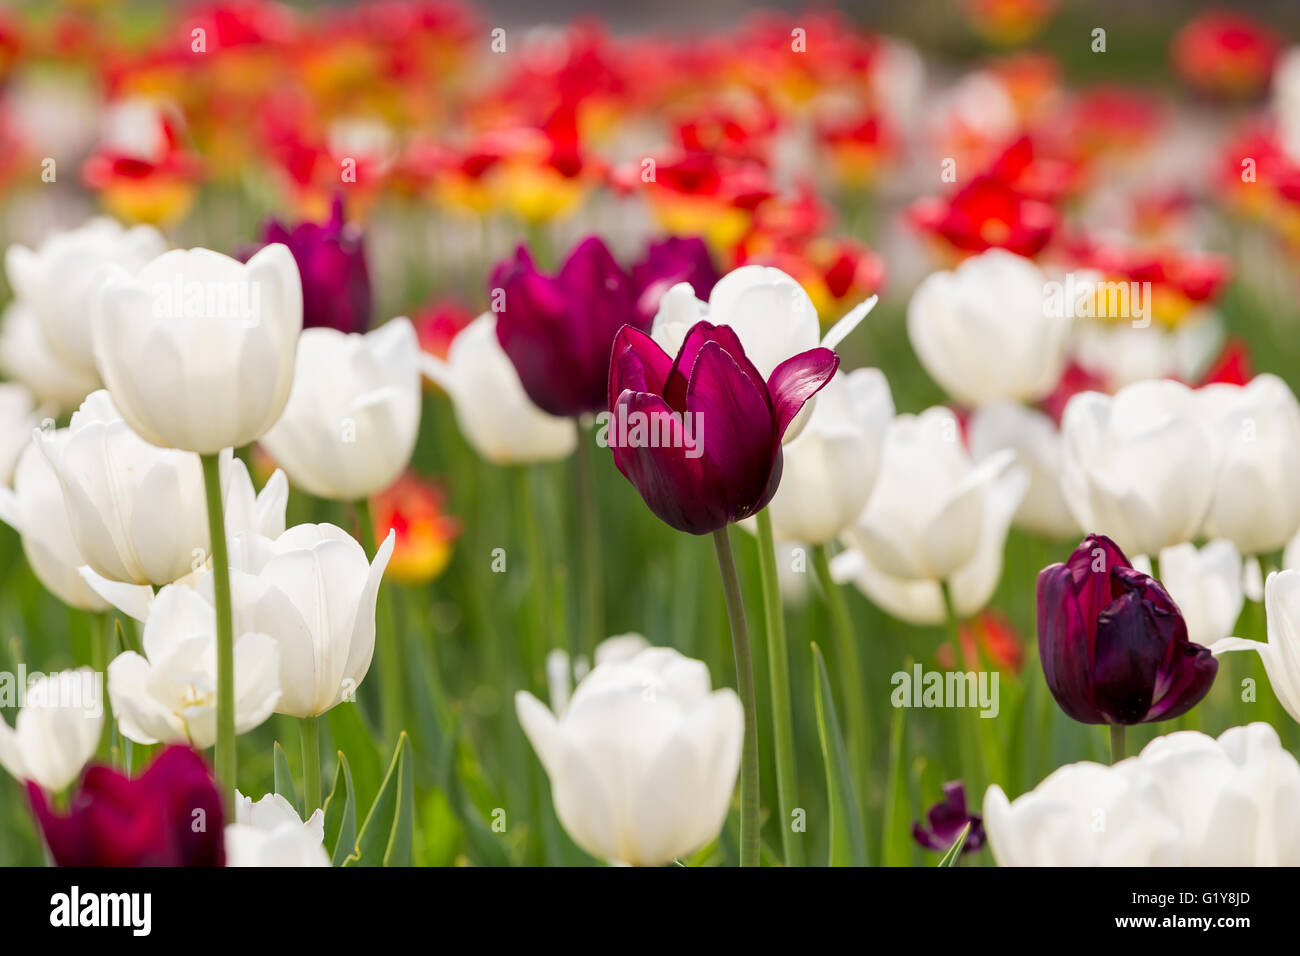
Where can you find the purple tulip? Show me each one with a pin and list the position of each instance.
(332, 262)
(666, 263)
(558, 330)
(168, 816)
(947, 819)
(1113, 644)
(700, 435)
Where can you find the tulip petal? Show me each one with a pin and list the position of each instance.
(796, 380)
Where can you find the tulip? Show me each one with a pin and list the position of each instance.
(1281, 653)
(1206, 584)
(667, 263)
(170, 815)
(643, 761)
(558, 330)
(1112, 642)
(1121, 354)
(1185, 800)
(269, 832)
(57, 730)
(331, 260)
(1138, 466)
(1257, 429)
(985, 331)
(59, 281)
(494, 413)
(831, 467)
(414, 510)
(198, 349)
(350, 426)
(719, 424)
(946, 821)
(1034, 438)
(137, 511)
(26, 357)
(170, 692)
(934, 517)
(36, 509)
(18, 416)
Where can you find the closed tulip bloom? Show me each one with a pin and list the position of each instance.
(1186, 800)
(26, 357)
(1257, 429)
(494, 413)
(667, 263)
(643, 761)
(269, 832)
(18, 416)
(1036, 441)
(1138, 466)
(709, 452)
(934, 516)
(1206, 584)
(331, 259)
(986, 331)
(169, 693)
(59, 281)
(1112, 642)
(57, 729)
(831, 467)
(148, 820)
(558, 330)
(1281, 653)
(349, 429)
(36, 509)
(198, 349)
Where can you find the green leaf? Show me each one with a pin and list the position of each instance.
(848, 845)
(385, 838)
(283, 778)
(954, 853)
(896, 836)
(341, 814)
(349, 733)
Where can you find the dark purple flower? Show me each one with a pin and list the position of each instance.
(700, 435)
(666, 263)
(947, 819)
(1112, 642)
(558, 330)
(332, 262)
(168, 816)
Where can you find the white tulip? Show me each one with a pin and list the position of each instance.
(36, 509)
(1138, 466)
(198, 349)
(560, 671)
(170, 693)
(831, 467)
(643, 762)
(138, 512)
(986, 331)
(1281, 653)
(26, 357)
(934, 516)
(1205, 583)
(1123, 353)
(1185, 800)
(60, 281)
(349, 429)
(270, 833)
(18, 416)
(1034, 437)
(57, 729)
(493, 411)
(1257, 431)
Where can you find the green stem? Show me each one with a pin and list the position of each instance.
(778, 670)
(225, 750)
(972, 742)
(745, 685)
(1118, 749)
(386, 637)
(855, 697)
(588, 541)
(538, 609)
(98, 639)
(310, 763)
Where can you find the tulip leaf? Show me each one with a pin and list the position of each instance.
(283, 778)
(385, 838)
(896, 837)
(341, 814)
(847, 844)
(954, 852)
